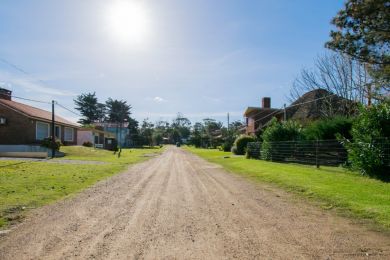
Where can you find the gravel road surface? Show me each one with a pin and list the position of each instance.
(178, 206)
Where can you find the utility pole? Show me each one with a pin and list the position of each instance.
(228, 127)
(228, 121)
(284, 112)
(120, 139)
(53, 138)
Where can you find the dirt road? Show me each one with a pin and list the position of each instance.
(177, 206)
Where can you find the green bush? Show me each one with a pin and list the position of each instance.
(87, 144)
(240, 144)
(253, 150)
(47, 142)
(369, 149)
(227, 146)
(329, 128)
(279, 132)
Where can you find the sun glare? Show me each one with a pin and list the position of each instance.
(128, 21)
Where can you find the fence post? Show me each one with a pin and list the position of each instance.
(317, 162)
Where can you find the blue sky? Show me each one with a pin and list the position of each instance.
(202, 58)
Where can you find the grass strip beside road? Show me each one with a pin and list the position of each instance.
(30, 184)
(333, 187)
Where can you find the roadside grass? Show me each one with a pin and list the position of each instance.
(348, 192)
(30, 184)
(91, 154)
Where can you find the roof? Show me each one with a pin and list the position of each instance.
(312, 103)
(255, 111)
(34, 112)
(111, 124)
(94, 130)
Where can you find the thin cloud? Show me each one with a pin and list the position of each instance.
(156, 99)
(159, 99)
(31, 86)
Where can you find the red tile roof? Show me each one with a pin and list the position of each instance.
(34, 112)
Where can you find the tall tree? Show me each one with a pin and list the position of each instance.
(363, 32)
(146, 132)
(212, 131)
(181, 127)
(235, 128)
(339, 74)
(118, 110)
(89, 108)
(101, 111)
(196, 134)
(134, 133)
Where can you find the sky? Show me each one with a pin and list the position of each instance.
(202, 58)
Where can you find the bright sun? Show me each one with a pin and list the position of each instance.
(128, 21)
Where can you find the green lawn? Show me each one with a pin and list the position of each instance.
(333, 187)
(25, 185)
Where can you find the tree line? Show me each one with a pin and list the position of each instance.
(92, 111)
(357, 65)
(206, 133)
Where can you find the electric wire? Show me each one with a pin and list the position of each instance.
(32, 100)
(68, 109)
(280, 110)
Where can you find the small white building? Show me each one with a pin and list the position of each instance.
(98, 138)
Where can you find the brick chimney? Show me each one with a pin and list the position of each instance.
(5, 94)
(266, 102)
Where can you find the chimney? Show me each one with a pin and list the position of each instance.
(5, 94)
(266, 102)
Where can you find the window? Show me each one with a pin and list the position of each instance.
(3, 120)
(68, 134)
(42, 130)
(57, 132)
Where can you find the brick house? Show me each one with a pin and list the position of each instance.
(312, 105)
(24, 124)
(258, 117)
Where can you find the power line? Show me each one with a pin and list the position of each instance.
(290, 106)
(299, 104)
(32, 100)
(47, 102)
(18, 68)
(68, 109)
(310, 101)
(14, 66)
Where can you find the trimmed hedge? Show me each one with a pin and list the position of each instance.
(240, 144)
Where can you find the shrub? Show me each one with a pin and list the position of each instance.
(370, 139)
(241, 142)
(279, 132)
(47, 142)
(253, 150)
(227, 146)
(234, 150)
(87, 144)
(329, 128)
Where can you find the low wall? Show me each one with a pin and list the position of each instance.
(26, 151)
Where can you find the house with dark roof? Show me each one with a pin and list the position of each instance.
(319, 103)
(21, 124)
(312, 105)
(258, 117)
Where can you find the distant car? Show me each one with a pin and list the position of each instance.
(177, 144)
